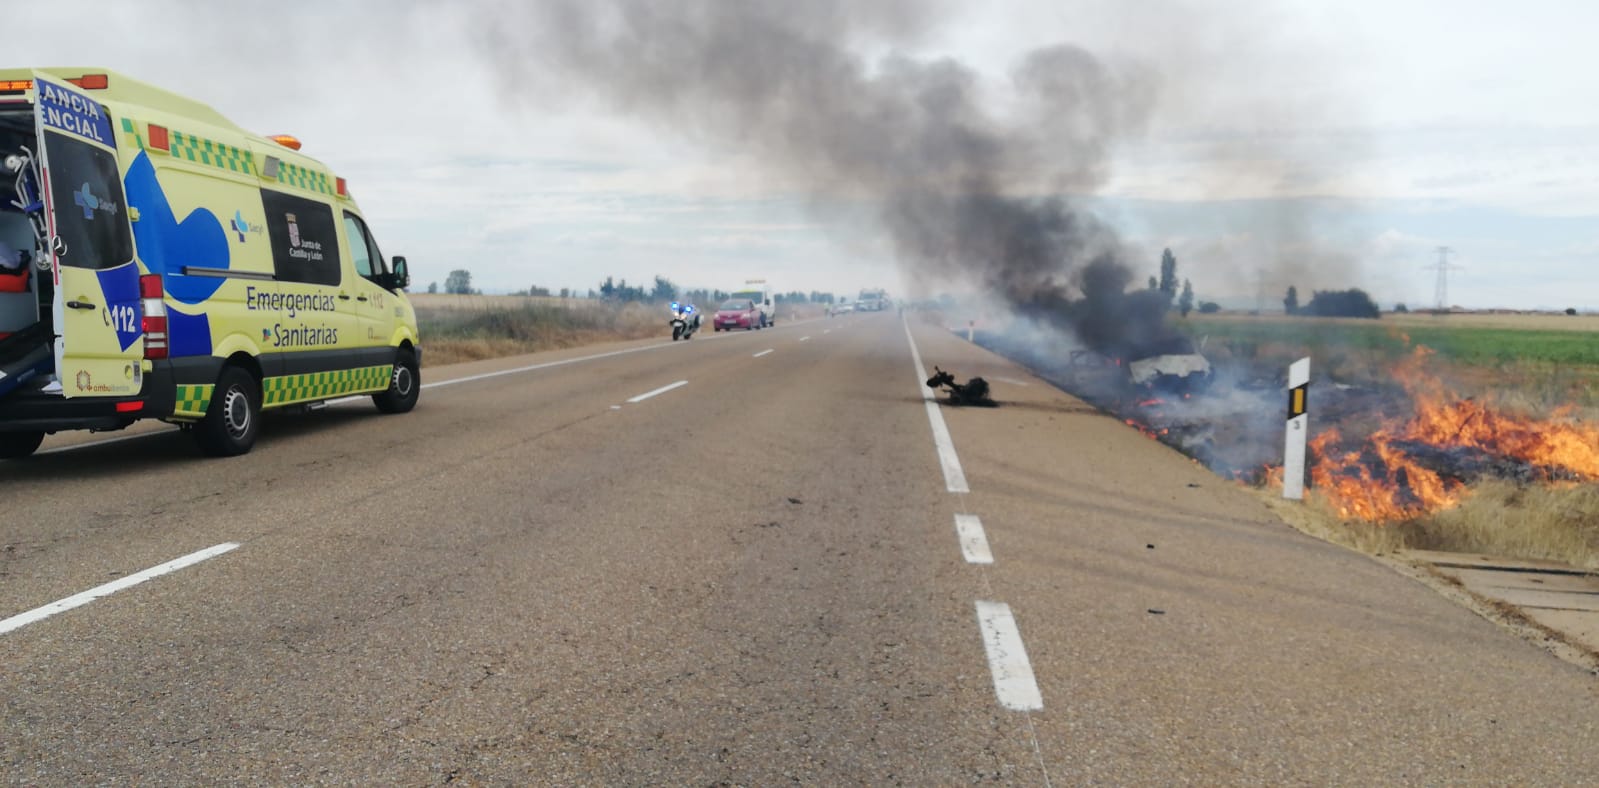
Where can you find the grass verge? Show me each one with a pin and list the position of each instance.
(452, 335)
(1537, 522)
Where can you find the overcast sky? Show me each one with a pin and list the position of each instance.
(1312, 143)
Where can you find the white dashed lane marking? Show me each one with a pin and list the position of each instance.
(662, 390)
(1014, 684)
(974, 543)
(76, 600)
(954, 477)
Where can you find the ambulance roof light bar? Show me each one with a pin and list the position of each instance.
(87, 82)
(287, 141)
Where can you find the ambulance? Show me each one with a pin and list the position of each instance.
(159, 262)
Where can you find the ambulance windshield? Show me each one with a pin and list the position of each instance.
(90, 212)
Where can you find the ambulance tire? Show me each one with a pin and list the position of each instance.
(16, 445)
(233, 419)
(405, 385)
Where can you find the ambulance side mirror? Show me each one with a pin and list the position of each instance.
(401, 278)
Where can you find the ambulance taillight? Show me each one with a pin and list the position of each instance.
(155, 316)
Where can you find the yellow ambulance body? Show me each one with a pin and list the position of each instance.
(178, 267)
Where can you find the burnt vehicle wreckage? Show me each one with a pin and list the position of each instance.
(1166, 389)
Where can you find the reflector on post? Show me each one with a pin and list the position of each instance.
(1297, 430)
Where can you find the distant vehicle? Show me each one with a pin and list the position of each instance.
(758, 291)
(685, 321)
(738, 313)
(871, 301)
(840, 309)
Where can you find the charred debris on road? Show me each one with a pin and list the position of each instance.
(973, 392)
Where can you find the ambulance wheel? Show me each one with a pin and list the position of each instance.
(16, 445)
(234, 417)
(404, 386)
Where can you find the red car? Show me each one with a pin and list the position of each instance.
(738, 313)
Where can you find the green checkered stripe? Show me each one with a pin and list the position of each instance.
(216, 154)
(193, 400)
(129, 129)
(304, 178)
(324, 385)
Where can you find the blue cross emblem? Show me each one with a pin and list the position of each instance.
(88, 202)
(238, 225)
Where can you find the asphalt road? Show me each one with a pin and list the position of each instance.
(754, 577)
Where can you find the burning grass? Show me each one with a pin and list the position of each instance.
(1412, 448)
(1423, 462)
(1506, 476)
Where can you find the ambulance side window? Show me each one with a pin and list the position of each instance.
(305, 240)
(363, 250)
(91, 212)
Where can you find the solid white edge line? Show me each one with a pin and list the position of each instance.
(974, 543)
(1014, 684)
(805, 339)
(76, 600)
(548, 365)
(954, 476)
(436, 384)
(763, 352)
(662, 390)
(92, 444)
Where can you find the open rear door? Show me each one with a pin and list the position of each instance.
(97, 316)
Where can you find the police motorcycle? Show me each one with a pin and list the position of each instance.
(685, 320)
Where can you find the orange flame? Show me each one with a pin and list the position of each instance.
(1380, 482)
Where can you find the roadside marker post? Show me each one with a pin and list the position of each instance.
(1297, 430)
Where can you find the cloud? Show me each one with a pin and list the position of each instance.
(1331, 135)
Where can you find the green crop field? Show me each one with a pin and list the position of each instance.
(1555, 340)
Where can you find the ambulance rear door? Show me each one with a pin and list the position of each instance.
(97, 318)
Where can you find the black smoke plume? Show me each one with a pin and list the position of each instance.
(967, 194)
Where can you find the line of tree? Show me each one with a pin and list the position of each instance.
(662, 290)
(1353, 302)
(1182, 301)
